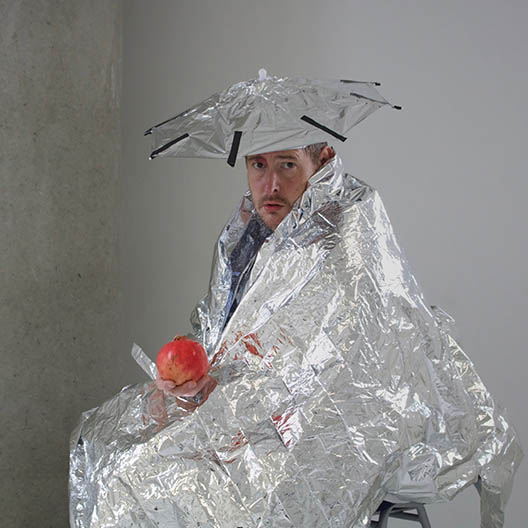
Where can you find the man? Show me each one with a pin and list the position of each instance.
(332, 383)
(276, 181)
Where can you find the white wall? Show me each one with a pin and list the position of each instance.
(451, 166)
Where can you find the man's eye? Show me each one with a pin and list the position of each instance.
(258, 165)
(289, 165)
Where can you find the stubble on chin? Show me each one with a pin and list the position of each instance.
(272, 220)
(266, 220)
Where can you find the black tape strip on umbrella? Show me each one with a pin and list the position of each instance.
(231, 160)
(314, 123)
(348, 81)
(166, 146)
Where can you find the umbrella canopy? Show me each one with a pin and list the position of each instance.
(266, 114)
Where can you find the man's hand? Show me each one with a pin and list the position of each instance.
(187, 389)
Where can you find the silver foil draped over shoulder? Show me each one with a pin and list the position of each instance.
(337, 385)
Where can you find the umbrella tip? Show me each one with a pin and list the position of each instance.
(262, 74)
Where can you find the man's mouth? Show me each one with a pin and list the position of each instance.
(272, 206)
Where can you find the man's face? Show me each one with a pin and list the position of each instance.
(276, 180)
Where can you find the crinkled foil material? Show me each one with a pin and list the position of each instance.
(337, 385)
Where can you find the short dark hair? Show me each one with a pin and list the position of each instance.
(314, 151)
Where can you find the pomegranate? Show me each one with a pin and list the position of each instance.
(182, 360)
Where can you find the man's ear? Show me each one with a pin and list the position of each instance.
(327, 153)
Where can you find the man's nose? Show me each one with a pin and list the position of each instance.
(273, 184)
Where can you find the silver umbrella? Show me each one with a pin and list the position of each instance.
(266, 114)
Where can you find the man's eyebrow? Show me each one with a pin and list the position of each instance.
(287, 156)
(278, 156)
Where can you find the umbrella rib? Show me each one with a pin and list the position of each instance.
(149, 131)
(234, 148)
(167, 145)
(323, 128)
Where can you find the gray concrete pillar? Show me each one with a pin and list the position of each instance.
(61, 315)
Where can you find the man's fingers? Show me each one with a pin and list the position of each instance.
(188, 385)
(164, 385)
(190, 388)
(202, 382)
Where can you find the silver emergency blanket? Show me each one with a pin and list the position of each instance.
(266, 114)
(336, 385)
